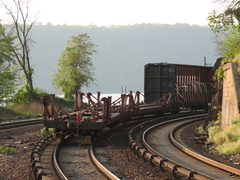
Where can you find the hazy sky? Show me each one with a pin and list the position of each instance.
(123, 12)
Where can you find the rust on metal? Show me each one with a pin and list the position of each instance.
(190, 85)
(98, 113)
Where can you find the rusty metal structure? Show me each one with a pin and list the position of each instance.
(99, 112)
(189, 85)
(167, 87)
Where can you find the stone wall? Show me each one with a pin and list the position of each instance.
(231, 94)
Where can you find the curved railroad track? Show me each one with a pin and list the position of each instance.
(156, 148)
(72, 158)
(174, 136)
(113, 152)
(75, 159)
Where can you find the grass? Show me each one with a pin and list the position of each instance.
(228, 140)
(7, 113)
(18, 110)
(32, 109)
(35, 108)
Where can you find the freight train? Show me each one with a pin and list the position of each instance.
(167, 87)
(191, 86)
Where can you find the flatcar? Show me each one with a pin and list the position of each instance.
(167, 87)
(190, 85)
(98, 114)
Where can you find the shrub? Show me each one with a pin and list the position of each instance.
(45, 133)
(230, 137)
(65, 104)
(200, 129)
(229, 148)
(236, 121)
(219, 138)
(6, 150)
(210, 124)
(213, 132)
(25, 95)
(228, 140)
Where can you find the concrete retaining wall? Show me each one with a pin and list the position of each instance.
(231, 94)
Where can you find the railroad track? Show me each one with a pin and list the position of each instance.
(76, 158)
(17, 124)
(72, 158)
(113, 152)
(88, 160)
(156, 148)
(41, 158)
(177, 141)
(73, 161)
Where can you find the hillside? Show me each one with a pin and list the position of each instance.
(122, 51)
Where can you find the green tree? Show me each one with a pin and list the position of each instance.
(221, 22)
(75, 66)
(226, 27)
(7, 75)
(230, 46)
(21, 25)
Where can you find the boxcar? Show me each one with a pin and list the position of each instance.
(189, 84)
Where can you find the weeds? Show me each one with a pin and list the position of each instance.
(45, 133)
(6, 150)
(35, 108)
(200, 129)
(213, 132)
(228, 140)
(32, 109)
(7, 113)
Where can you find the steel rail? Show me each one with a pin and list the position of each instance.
(20, 118)
(61, 174)
(153, 158)
(9, 125)
(37, 153)
(55, 163)
(198, 156)
(108, 174)
(38, 169)
(163, 161)
(103, 169)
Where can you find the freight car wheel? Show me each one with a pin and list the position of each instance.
(94, 135)
(57, 131)
(175, 109)
(61, 136)
(159, 114)
(125, 120)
